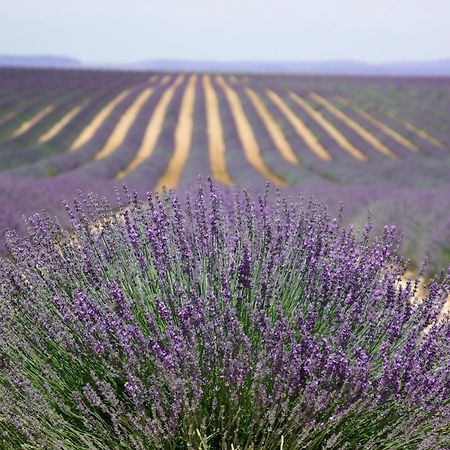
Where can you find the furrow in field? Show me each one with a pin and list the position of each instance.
(183, 139)
(275, 131)
(198, 162)
(34, 103)
(83, 161)
(39, 157)
(58, 126)
(418, 131)
(418, 112)
(25, 126)
(239, 167)
(153, 130)
(329, 128)
(386, 116)
(165, 79)
(408, 100)
(62, 106)
(98, 98)
(379, 124)
(152, 79)
(303, 131)
(89, 131)
(233, 79)
(123, 126)
(291, 172)
(355, 126)
(8, 116)
(246, 135)
(419, 117)
(216, 142)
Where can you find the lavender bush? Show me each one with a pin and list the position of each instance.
(216, 322)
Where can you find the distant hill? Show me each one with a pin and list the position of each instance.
(425, 68)
(414, 68)
(38, 61)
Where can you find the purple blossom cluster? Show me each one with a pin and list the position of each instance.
(220, 320)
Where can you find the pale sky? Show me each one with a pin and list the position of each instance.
(99, 31)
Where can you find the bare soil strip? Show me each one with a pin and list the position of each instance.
(89, 131)
(8, 116)
(246, 135)
(418, 131)
(153, 78)
(275, 131)
(372, 140)
(302, 130)
(25, 126)
(58, 126)
(183, 139)
(382, 126)
(216, 142)
(329, 128)
(233, 79)
(117, 137)
(165, 79)
(153, 129)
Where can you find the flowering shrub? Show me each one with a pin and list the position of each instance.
(216, 322)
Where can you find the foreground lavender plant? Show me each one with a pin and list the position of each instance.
(216, 322)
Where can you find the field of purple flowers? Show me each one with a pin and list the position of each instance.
(378, 144)
(227, 313)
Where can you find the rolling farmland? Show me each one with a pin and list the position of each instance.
(211, 314)
(375, 143)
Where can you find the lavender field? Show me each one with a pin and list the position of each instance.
(375, 144)
(253, 296)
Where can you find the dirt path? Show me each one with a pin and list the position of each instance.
(275, 131)
(246, 135)
(216, 142)
(25, 126)
(153, 129)
(302, 130)
(152, 79)
(379, 124)
(89, 131)
(329, 128)
(117, 137)
(183, 139)
(58, 126)
(372, 140)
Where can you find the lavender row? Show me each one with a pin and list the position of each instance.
(108, 167)
(292, 173)
(241, 171)
(66, 161)
(198, 162)
(146, 175)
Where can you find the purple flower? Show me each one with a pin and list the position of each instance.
(222, 318)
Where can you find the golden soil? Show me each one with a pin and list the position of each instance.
(153, 129)
(183, 138)
(90, 129)
(246, 134)
(302, 130)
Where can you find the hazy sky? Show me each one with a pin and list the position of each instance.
(134, 30)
